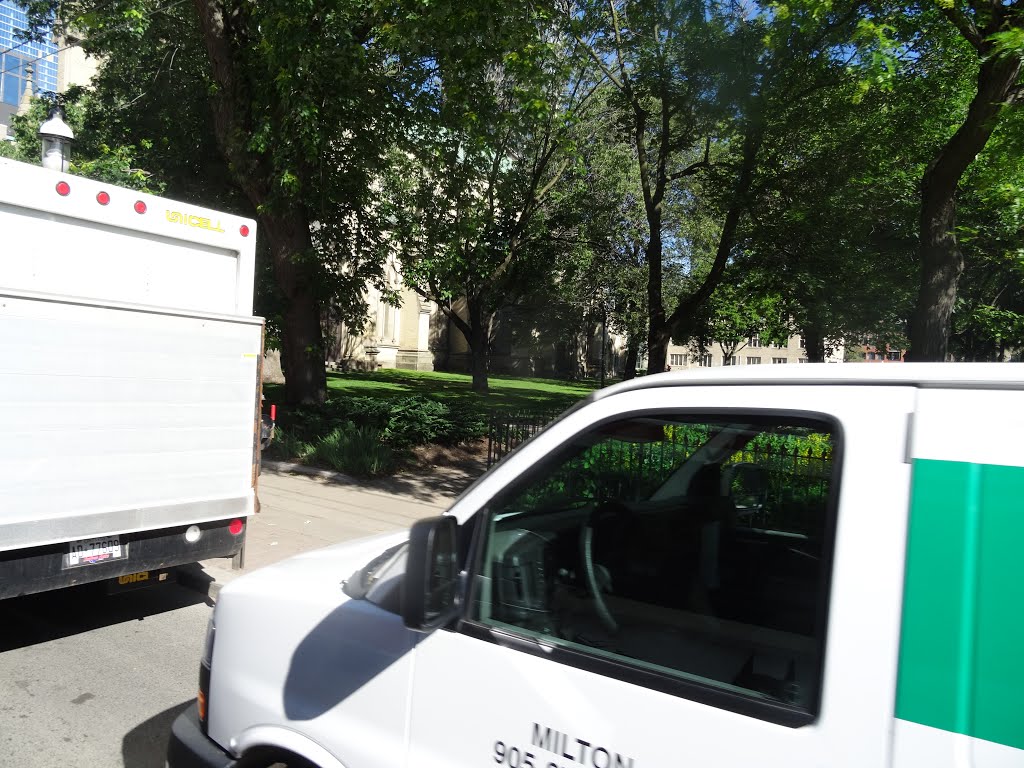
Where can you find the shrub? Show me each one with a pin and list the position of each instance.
(287, 446)
(419, 421)
(366, 436)
(358, 450)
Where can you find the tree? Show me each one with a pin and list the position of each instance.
(303, 108)
(654, 55)
(608, 271)
(92, 157)
(703, 89)
(476, 199)
(302, 100)
(737, 312)
(833, 231)
(988, 320)
(995, 30)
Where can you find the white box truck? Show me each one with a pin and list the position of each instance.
(130, 389)
(772, 566)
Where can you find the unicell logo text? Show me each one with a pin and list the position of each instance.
(200, 222)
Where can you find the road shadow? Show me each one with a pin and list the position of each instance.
(145, 745)
(33, 619)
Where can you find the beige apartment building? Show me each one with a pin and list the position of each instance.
(752, 352)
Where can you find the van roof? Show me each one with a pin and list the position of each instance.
(925, 375)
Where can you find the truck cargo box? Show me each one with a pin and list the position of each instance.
(129, 377)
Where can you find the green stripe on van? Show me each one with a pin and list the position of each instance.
(962, 643)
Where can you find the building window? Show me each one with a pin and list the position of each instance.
(754, 341)
(736, 599)
(733, 360)
(870, 355)
(802, 360)
(12, 82)
(779, 360)
(677, 359)
(17, 57)
(705, 361)
(895, 356)
(753, 361)
(803, 343)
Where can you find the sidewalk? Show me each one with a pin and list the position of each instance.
(303, 509)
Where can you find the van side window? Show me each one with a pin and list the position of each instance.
(688, 554)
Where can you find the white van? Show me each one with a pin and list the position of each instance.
(810, 566)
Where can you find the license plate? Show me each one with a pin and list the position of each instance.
(104, 549)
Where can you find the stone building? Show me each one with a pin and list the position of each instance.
(393, 337)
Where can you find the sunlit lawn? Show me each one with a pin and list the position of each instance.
(506, 393)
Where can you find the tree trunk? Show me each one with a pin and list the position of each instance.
(632, 353)
(286, 227)
(814, 345)
(478, 339)
(475, 329)
(658, 339)
(942, 263)
(941, 260)
(302, 352)
(729, 351)
(658, 335)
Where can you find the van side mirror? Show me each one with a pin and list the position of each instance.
(430, 585)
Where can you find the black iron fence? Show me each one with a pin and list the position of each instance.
(509, 430)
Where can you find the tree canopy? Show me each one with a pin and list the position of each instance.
(671, 168)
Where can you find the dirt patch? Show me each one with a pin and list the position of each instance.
(470, 457)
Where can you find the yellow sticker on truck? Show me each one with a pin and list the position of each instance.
(188, 220)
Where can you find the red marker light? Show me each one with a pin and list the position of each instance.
(235, 527)
(102, 198)
(140, 207)
(273, 413)
(63, 188)
(244, 230)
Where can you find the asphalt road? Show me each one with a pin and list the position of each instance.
(92, 679)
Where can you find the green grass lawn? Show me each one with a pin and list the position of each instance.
(506, 393)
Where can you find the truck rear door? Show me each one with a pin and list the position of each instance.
(129, 361)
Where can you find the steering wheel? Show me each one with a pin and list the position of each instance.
(606, 515)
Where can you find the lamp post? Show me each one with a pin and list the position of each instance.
(57, 138)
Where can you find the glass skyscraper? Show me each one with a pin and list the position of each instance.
(18, 56)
